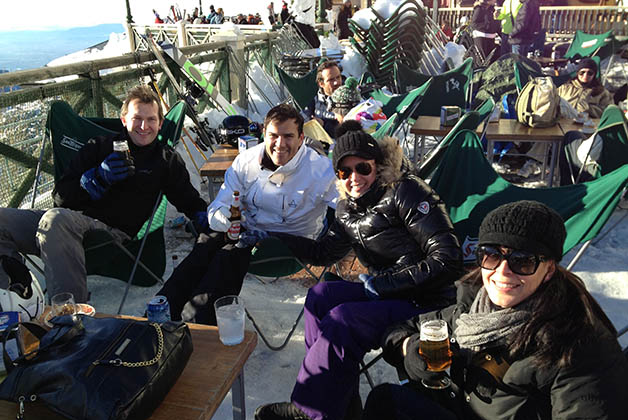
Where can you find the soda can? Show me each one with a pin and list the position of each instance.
(158, 310)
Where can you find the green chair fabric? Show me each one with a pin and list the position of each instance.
(449, 88)
(469, 121)
(588, 45)
(524, 73)
(613, 130)
(68, 132)
(302, 89)
(485, 109)
(470, 188)
(404, 106)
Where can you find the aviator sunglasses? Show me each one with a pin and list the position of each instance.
(586, 72)
(362, 168)
(520, 262)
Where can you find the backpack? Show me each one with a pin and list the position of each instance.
(538, 104)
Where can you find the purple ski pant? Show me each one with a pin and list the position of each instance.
(341, 326)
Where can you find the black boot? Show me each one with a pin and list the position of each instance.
(280, 411)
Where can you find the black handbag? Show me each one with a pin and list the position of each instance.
(98, 368)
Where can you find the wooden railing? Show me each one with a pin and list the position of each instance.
(561, 22)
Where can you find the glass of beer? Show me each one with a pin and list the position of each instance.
(63, 304)
(434, 348)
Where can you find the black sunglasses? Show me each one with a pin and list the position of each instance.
(589, 72)
(362, 168)
(520, 262)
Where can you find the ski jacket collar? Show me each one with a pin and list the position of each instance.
(280, 174)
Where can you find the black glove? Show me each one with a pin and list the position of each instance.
(415, 364)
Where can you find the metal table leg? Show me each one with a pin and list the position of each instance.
(237, 397)
(555, 149)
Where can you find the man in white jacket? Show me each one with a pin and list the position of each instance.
(284, 186)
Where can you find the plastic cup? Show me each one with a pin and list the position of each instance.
(230, 318)
(63, 304)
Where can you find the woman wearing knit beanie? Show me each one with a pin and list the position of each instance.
(528, 341)
(585, 92)
(400, 230)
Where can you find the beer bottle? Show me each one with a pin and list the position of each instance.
(233, 233)
(122, 148)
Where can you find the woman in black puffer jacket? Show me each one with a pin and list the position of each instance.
(400, 230)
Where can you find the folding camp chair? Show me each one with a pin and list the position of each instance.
(587, 45)
(273, 259)
(469, 121)
(68, 132)
(302, 89)
(401, 109)
(470, 188)
(613, 131)
(453, 87)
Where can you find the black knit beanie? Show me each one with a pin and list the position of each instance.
(354, 142)
(525, 225)
(587, 63)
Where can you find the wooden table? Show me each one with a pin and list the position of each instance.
(212, 370)
(513, 130)
(217, 164)
(427, 125)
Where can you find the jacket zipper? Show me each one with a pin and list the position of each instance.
(108, 349)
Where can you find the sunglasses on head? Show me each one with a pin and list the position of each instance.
(520, 262)
(586, 72)
(362, 168)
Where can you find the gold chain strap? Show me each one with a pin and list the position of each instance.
(120, 362)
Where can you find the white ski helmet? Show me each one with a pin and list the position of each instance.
(29, 305)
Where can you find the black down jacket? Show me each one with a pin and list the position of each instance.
(400, 230)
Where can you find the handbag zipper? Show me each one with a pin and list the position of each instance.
(108, 349)
(21, 399)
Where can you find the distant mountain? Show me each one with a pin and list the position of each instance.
(22, 50)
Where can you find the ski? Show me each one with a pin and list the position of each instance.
(187, 98)
(197, 77)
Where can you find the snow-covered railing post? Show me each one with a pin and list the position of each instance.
(130, 35)
(181, 34)
(235, 40)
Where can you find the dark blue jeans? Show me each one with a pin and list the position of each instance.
(341, 326)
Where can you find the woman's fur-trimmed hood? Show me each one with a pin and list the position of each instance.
(390, 170)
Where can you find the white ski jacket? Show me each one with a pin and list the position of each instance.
(292, 199)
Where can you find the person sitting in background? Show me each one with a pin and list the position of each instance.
(285, 13)
(484, 26)
(284, 186)
(329, 78)
(585, 92)
(103, 190)
(528, 340)
(400, 230)
(345, 98)
(219, 18)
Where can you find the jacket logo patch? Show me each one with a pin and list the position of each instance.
(424, 207)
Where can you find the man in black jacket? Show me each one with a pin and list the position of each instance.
(526, 28)
(102, 190)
